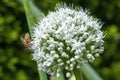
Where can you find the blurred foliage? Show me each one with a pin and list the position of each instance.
(17, 64)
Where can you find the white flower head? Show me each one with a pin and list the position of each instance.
(64, 37)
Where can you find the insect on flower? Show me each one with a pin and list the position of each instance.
(26, 41)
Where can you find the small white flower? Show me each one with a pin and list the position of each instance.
(68, 74)
(63, 38)
(90, 57)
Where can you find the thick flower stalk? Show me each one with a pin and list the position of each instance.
(64, 38)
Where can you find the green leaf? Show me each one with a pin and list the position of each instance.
(88, 72)
(61, 77)
(32, 13)
(78, 74)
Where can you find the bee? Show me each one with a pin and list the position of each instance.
(26, 41)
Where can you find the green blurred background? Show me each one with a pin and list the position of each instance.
(17, 64)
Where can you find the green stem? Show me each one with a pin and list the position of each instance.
(42, 75)
(78, 74)
(61, 77)
(89, 72)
